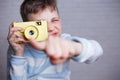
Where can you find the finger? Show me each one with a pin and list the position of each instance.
(18, 35)
(54, 49)
(12, 30)
(50, 49)
(15, 36)
(19, 40)
(10, 26)
(61, 49)
(37, 44)
(11, 37)
(15, 29)
(58, 48)
(65, 51)
(57, 61)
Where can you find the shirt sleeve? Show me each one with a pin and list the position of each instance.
(16, 66)
(91, 49)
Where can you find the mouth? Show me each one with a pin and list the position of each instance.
(55, 34)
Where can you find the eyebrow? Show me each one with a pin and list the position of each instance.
(52, 18)
(56, 18)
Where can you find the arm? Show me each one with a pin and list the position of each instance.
(61, 49)
(16, 61)
(89, 52)
(16, 66)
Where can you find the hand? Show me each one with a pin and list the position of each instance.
(16, 40)
(57, 49)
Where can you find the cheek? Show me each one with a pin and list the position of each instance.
(59, 27)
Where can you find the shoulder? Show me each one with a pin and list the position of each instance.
(65, 35)
(71, 37)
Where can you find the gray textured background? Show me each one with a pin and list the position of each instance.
(91, 19)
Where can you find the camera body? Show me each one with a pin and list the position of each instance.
(33, 29)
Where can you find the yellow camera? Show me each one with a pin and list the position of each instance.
(33, 29)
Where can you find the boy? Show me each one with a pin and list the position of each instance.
(49, 59)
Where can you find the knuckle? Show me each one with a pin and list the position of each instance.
(54, 57)
(55, 62)
(11, 29)
(64, 57)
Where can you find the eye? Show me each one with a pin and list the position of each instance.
(55, 20)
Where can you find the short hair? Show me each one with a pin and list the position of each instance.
(33, 6)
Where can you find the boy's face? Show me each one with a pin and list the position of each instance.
(53, 19)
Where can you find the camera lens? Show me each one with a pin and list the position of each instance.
(31, 32)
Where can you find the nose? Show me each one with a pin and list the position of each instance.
(50, 27)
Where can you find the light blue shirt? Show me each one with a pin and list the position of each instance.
(35, 64)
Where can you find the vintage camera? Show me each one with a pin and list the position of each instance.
(33, 29)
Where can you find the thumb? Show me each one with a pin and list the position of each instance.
(37, 44)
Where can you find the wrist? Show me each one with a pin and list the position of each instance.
(17, 60)
(75, 48)
(18, 54)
